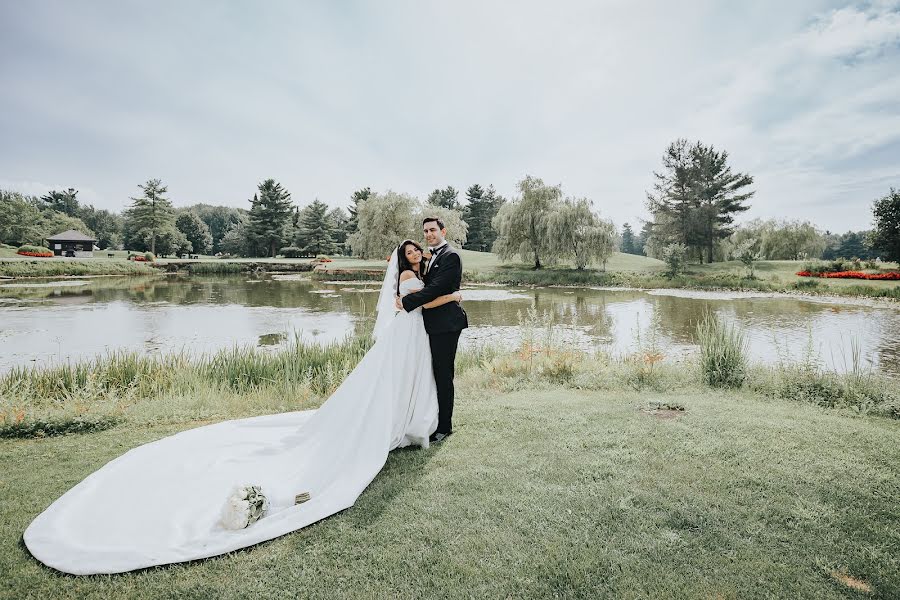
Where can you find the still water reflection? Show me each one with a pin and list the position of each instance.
(50, 322)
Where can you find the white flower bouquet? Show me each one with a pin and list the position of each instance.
(246, 505)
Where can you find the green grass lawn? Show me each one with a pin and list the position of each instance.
(784, 272)
(554, 493)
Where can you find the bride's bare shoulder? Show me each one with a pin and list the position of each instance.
(407, 274)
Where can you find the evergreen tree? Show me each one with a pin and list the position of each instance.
(64, 202)
(854, 244)
(339, 221)
(195, 230)
(719, 196)
(356, 199)
(150, 215)
(642, 238)
(269, 217)
(480, 211)
(885, 237)
(447, 198)
(695, 198)
(316, 230)
(628, 242)
(672, 203)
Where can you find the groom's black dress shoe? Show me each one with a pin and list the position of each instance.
(437, 438)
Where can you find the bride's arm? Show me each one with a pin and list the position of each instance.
(442, 300)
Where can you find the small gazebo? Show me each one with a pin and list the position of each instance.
(72, 243)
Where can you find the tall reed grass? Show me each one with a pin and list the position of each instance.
(723, 353)
(134, 388)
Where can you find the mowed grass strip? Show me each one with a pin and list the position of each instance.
(556, 493)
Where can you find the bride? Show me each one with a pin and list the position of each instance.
(162, 502)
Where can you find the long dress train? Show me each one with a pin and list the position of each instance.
(161, 502)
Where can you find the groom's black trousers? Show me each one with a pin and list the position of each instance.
(443, 357)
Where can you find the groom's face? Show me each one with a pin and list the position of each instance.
(434, 236)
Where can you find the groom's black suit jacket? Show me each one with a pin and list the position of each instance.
(444, 276)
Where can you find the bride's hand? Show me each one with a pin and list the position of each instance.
(457, 295)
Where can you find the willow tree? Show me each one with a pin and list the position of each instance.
(457, 228)
(521, 224)
(577, 233)
(383, 221)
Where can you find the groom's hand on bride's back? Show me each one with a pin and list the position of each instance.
(398, 303)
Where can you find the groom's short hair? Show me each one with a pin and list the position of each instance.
(435, 219)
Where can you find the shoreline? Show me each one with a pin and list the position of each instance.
(621, 280)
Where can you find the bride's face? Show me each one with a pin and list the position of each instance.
(413, 254)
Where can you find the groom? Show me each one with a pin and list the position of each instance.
(443, 275)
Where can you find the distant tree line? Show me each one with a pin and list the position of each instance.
(271, 225)
(692, 204)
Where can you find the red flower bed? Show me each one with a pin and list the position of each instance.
(139, 258)
(37, 254)
(889, 276)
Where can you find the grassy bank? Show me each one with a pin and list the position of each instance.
(700, 279)
(61, 267)
(622, 270)
(643, 484)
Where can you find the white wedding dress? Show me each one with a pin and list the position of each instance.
(161, 502)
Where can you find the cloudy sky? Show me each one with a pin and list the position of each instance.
(328, 97)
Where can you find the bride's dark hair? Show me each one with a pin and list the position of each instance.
(403, 263)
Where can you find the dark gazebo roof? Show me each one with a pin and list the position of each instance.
(71, 236)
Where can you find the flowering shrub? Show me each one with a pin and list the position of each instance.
(38, 251)
(889, 276)
(837, 265)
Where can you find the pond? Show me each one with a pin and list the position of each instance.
(47, 322)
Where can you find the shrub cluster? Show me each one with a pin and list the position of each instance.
(36, 251)
(291, 252)
(51, 427)
(837, 265)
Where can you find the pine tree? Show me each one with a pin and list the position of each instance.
(447, 198)
(316, 230)
(339, 219)
(151, 215)
(269, 217)
(64, 202)
(640, 245)
(358, 197)
(480, 211)
(719, 196)
(627, 240)
(886, 231)
(695, 198)
(473, 216)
